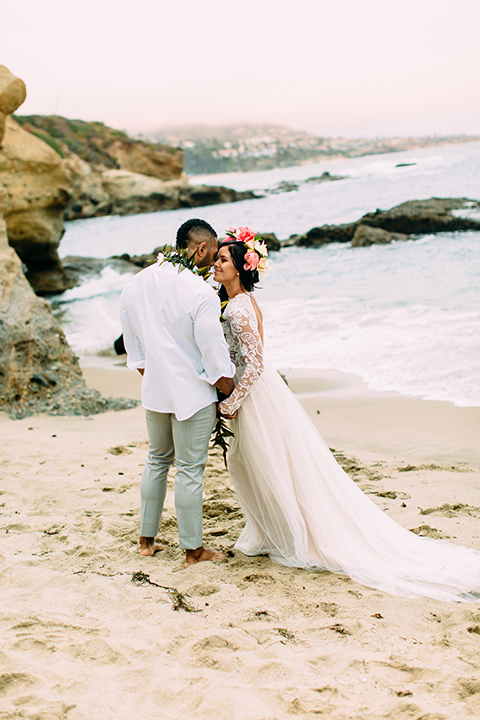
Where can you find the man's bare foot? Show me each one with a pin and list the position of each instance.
(149, 546)
(202, 554)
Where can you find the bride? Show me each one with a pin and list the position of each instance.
(300, 507)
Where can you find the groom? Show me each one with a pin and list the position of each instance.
(174, 338)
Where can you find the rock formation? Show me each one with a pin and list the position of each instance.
(365, 235)
(118, 192)
(159, 161)
(414, 217)
(38, 370)
(38, 191)
(12, 94)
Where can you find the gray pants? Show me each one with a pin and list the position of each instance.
(186, 443)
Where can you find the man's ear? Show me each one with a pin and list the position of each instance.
(201, 251)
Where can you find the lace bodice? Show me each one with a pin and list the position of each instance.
(246, 349)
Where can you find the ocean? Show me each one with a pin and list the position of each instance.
(405, 317)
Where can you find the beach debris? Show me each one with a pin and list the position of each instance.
(475, 629)
(377, 615)
(339, 629)
(179, 602)
(54, 530)
(119, 450)
(286, 634)
(403, 693)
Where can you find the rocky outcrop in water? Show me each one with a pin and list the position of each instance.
(365, 235)
(414, 217)
(38, 371)
(118, 192)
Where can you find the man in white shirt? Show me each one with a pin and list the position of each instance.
(173, 337)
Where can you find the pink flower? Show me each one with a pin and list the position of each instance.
(251, 260)
(244, 234)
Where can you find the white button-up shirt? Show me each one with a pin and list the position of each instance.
(171, 327)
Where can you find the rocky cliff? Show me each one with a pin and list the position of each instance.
(38, 191)
(104, 147)
(38, 370)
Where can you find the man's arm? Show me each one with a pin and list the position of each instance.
(218, 368)
(133, 346)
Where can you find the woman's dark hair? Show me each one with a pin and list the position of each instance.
(248, 278)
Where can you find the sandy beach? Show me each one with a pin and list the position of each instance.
(92, 630)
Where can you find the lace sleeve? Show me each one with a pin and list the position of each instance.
(243, 322)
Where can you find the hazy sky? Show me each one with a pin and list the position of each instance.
(333, 67)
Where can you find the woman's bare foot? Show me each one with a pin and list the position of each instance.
(149, 546)
(202, 554)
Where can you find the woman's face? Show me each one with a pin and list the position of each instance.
(225, 270)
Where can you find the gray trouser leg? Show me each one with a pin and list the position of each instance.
(187, 441)
(190, 438)
(153, 486)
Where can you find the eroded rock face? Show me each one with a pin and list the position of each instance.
(38, 370)
(38, 191)
(161, 162)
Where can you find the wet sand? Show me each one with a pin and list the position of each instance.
(92, 630)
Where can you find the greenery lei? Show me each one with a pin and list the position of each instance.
(178, 258)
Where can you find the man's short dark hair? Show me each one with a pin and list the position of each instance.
(192, 225)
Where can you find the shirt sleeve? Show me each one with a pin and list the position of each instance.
(133, 346)
(243, 322)
(210, 340)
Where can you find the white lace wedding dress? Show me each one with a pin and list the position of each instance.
(301, 508)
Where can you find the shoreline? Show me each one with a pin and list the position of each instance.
(350, 415)
(87, 622)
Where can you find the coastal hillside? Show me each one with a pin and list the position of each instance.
(243, 148)
(102, 146)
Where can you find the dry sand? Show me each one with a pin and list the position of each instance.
(92, 630)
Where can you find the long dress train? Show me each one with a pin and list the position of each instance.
(301, 508)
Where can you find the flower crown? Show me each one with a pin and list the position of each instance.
(256, 255)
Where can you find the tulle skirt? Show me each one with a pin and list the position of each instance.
(304, 511)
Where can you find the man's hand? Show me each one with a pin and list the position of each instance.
(225, 385)
(229, 417)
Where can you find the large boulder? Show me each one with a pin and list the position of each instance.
(327, 234)
(38, 370)
(12, 94)
(38, 191)
(414, 217)
(420, 217)
(365, 235)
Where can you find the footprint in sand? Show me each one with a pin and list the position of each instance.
(97, 652)
(452, 510)
(13, 684)
(202, 590)
(272, 673)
